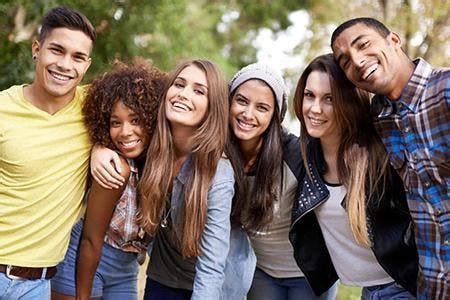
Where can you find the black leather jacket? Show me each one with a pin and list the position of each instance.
(389, 222)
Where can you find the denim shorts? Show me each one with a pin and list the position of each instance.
(116, 276)
(267, 287)
(26, 289)
(390, 290)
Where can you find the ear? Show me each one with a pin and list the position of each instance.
(395, 39)
(88, 64)
(35, 47)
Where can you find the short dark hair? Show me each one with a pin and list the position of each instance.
(63, 17)
(369, 22)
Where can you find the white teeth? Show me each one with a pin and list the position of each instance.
(130, 144)
(245, 125)
(316, 122)
(59, 76)
(181, 106)
(370, 71)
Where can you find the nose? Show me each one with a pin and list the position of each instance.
(357, 58)
(64, 62)
(316, 106)
(247, 112)
(184, 93)
(127, 129)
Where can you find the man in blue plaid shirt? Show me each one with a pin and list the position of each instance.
(411, 110)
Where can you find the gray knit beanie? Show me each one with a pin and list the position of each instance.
(268, 75)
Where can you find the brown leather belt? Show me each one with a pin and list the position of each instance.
(14, 272)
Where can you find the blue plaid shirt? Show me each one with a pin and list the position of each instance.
(416, 132)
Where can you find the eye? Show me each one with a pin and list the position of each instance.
(56, 50)
(328, 99)
(241, 100)
(135, 121)
(262, 108)
(178, 84)
(114, 123)
(199, 91)
(79, 58)
(308, 94)
(364, 45)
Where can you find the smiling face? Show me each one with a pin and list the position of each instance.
(126, 131)
(372, 62)
(251, 111)
(317, 108)
(186, 100)
(62, 59)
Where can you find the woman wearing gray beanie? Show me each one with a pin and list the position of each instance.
(266, 161)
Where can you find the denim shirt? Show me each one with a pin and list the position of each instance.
(224, 268)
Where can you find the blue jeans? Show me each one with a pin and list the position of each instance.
(157, 291)
(266, 287)
(385, 291)
(115, 278)
(24, 289)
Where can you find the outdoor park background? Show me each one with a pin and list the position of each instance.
(284, 33)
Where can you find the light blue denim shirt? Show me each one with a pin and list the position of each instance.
(225, 268)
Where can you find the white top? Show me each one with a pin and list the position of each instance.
(355, 265)
(274, 252)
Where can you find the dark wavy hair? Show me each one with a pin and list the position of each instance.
(138, 86)
(63, 17)
(256, 211)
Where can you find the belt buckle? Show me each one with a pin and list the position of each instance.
(8, 274)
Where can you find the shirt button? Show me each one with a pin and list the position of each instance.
(447, 242)
(427, 184)
(406, 129)
(438, 212)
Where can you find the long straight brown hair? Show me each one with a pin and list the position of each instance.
(209, 143)
(361, 159)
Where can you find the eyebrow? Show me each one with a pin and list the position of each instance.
(195, 83)
(62, 48)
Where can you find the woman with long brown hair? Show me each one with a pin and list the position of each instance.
(187, 186)
(350, 219)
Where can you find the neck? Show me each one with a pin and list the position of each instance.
(250, 150)
(407, 70)
(330, 150)
(182, 140)
(41, 99)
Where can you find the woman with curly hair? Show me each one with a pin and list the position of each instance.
(120, 113)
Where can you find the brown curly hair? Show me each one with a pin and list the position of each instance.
(138, 85)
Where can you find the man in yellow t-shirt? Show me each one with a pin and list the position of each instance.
(44, 156)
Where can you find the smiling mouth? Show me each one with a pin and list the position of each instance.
(316, 122)
(130, 144)
(245, 125)
(181, 106)
(370, 71)
(59, 76)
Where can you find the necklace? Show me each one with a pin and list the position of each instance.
(165, 221)
(166, 215)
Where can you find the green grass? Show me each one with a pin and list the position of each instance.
(348, 293)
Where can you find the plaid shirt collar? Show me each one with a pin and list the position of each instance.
(412, 93)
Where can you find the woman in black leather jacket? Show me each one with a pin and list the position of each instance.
(350, 219)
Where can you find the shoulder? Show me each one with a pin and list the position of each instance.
(224, 172)
(14, 91)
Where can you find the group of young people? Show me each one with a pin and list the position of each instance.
(200, 174)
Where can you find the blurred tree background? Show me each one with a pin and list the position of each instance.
(166, 31)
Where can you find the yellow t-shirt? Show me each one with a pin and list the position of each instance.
(43, 168)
